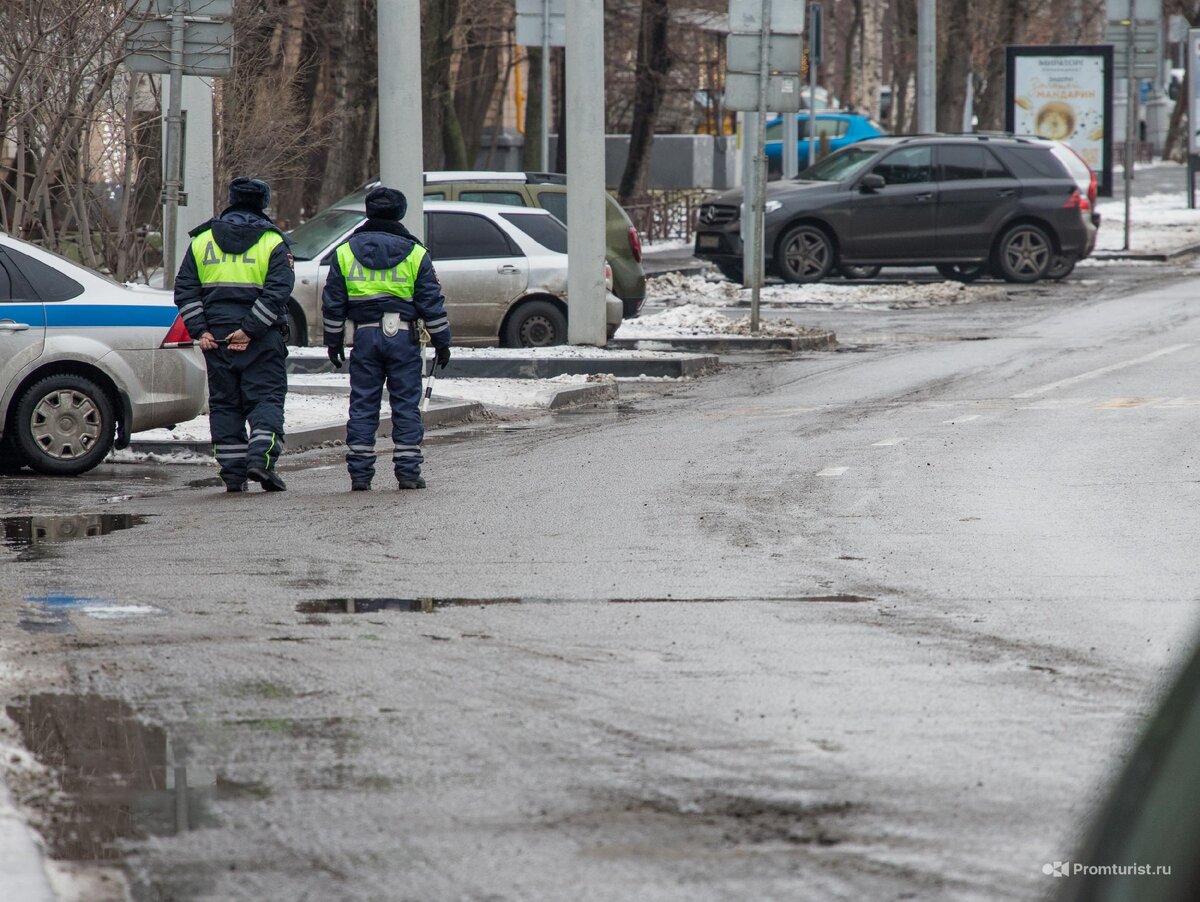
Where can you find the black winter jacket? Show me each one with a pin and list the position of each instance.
(254, 311)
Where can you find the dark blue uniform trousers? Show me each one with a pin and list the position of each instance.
(243, 386)
(375, 359)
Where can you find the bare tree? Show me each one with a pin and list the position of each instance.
(653, 64)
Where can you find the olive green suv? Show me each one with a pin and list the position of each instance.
(549, 191)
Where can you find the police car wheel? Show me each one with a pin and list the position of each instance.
(536, 324)
(64, 425)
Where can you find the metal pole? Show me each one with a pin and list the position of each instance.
(791, 148)
(546, 86)
(926, 66)
(749, 135)
(586, 295)
(810, 128)
(174, 140)
(1130, 121)
(400, 135)
(760, 162)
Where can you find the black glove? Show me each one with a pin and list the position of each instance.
(337, 355)
(443, 357)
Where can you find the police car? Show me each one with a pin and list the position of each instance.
(85, 362)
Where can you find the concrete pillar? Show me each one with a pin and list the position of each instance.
(401, 162)
(197, 163)
(586, 294)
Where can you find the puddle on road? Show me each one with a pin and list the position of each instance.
(52, 613)
(429, 605)
(118, 774)
(52, 529)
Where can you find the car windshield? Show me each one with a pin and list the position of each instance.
(313, 238)
(845, 163)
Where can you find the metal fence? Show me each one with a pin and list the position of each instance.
(666, 215)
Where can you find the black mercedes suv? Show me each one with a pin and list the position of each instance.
(967, 204)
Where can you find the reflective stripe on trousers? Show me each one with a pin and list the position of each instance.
(395, 361)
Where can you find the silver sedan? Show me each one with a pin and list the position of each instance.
(503, 271)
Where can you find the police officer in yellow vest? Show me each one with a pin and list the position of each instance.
(232, 292)
(382, 280)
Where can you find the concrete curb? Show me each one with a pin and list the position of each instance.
(588, 393)
(731, 344)
(1152, 258)
(547, 367)
(557, 398)
(445, 414)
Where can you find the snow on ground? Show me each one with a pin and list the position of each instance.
(299, 412)
(533, 393)
(672, 244)
(692, 319)
(1160, 223)
(699, 290)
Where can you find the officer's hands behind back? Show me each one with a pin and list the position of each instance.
(443, 357)
(337, 355)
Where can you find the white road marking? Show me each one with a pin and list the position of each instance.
(958, 420)
(1102, 371)
(833, 471)
(887, 442)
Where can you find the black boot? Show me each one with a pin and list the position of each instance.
(418, 483)
(270, 480)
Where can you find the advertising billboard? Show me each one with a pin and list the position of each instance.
(1064, 93)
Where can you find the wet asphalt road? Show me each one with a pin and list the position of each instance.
(872, 624)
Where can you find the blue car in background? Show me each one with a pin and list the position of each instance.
(842, 128)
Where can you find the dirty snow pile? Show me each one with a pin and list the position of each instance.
(1159, 223)
(697, 290)
(692, 319)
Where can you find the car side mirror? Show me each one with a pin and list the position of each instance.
(871, 182)
(328, 259)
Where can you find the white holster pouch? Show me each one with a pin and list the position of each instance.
(348, 333)
(390, 323)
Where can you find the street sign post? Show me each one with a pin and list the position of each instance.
(762, 74)
(1193, 111)
(1134, 28)
(544, 23)
(815, 50)
(178, 38)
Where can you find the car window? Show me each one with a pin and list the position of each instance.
(13, 285)
(511, 198)
(833, 127)
(960, 162)
(49, 285)
(545, 230)
(314, 237)
(1035, 162)
(435, 195)
(5, 283)
(774, 131)
(842, 164)
(993, 168)
(907, 166)
(555, 202)
(466, 236)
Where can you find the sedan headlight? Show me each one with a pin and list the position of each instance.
(772, 205)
